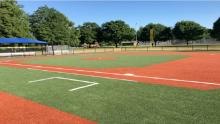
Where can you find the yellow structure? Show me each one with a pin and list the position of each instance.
(152, 36)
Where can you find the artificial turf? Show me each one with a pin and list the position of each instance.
(120, 60)
(114, 101)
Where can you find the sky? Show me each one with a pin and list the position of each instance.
(134, 13)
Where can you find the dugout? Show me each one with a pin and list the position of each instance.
(21, 47)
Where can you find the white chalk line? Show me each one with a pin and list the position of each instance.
(74, 89)
(82, 74)
(131, 75)
(90, 83)
(29, 82)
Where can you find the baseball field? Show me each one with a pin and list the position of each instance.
(135, 87)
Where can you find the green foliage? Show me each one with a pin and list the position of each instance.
(52, 26)
(13, 21)
(207, 33)
(166, 34)
(48, 24)
(162, 33)
(216, 29)
(74, 37)
(188, 30)
(117, 31)
(89, 32)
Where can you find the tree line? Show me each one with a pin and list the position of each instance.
(48, 24)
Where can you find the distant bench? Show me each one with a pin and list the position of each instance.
(18, 54)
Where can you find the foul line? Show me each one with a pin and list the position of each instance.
(98, 72)
(82, 74)
(74, 89)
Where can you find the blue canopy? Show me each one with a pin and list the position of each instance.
(20, 40)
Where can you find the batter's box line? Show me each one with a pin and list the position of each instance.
(90, 83)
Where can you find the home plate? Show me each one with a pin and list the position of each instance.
(129, 74)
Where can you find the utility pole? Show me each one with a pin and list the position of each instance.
(136, 32)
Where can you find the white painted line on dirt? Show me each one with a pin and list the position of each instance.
(2, 61)
(61, 68)
(157, 78)
(74, 89)
(179, 80)
(83, 75)
(6, 60)
(150, 77)
(128, 74)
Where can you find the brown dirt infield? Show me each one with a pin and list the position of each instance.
(98, 58)
(16, 110)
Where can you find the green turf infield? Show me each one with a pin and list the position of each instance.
(113, 101)
(120, 60)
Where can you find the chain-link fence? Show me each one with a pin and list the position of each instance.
(63, 50)
(59, 50)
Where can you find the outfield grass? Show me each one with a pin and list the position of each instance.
(114, 101)
(120, 60)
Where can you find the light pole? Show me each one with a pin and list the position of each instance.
(136, 32)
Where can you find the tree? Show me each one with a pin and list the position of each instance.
(162, 33)
(89, 32)
(166, 34)
(50, 25)
(188, 30)
(207, 33)
(74, 37)
(216, 29)
(117, 31)
(13, 21)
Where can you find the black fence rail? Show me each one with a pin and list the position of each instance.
(149, 48)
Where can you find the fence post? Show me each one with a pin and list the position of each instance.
(192, 48)
(23, 51)
(207, 47)
(42, 51)
(61, 51)
(11, 52)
